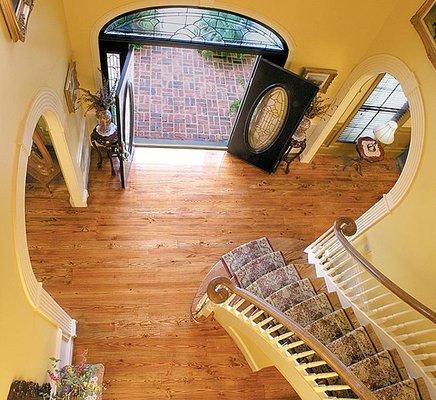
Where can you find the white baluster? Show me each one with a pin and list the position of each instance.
(414, 334)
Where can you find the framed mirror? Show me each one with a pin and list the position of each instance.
(17, 13)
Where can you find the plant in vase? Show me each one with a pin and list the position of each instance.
(318, 108)
(76, 382)
(101, 101)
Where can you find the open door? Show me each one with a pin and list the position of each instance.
(271, 111)
(125, 115)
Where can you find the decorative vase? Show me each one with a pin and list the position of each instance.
(104, 118)
(300, 133)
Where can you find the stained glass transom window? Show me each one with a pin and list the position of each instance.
(268, 118)
(383, 103)
(196, 25)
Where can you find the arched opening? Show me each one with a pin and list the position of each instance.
(48, 110)
(192, 67)
(362, 75)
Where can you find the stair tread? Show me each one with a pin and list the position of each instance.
(291, 295)
(260, 266)
(274, 281)
(245, 253)
(353, 347)
(405, 390)
(377, 371)
(310, 310)
(330, 327)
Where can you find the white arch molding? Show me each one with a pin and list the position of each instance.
(219, 4)
(372, 66)
(47, 104)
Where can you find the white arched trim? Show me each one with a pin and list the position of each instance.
(47, 104)
(135, 5)
(369, 68)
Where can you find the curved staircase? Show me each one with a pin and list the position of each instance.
(320, 347)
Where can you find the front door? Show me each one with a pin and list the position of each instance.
(271, 111)
(125, 114)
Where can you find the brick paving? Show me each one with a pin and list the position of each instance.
(183, 98)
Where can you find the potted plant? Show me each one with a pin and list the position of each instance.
(101, 101)
(76, 382)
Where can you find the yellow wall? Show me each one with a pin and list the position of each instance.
(403, 244)
(27, 339)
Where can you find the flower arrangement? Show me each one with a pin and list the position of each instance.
(75, 382)
(317, 108)
(101, 100)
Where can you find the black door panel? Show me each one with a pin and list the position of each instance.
(271, 111)
(124, 104)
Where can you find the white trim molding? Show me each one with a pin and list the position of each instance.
(377, 64)
(47, 104)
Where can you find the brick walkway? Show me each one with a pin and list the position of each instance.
(181, 98)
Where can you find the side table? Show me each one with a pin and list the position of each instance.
(296, 147)
(368, 149)
(110, 143)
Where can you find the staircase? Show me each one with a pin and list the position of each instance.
(282, 314)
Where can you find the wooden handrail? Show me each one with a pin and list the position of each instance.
(219, 290)
(345, 226)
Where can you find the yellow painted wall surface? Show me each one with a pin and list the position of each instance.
(403, 244)
(27, 339)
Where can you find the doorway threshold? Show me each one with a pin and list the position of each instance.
(180, 144)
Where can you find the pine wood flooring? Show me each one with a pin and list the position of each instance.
(128, 266)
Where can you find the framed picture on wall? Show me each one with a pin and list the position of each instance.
(424, 22)
(321, 77)
(17, 13)
(71, 87)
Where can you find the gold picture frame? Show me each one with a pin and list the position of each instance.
(321, 77)
(424, 22)
(71, 86)
(17, 13)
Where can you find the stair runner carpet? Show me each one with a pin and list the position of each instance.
(258, 268)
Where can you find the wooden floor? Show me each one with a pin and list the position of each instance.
(128, 266)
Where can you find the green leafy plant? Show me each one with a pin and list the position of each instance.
(76, 382)
(136, 46)
(206, 54)
(209, 55)
(236, 104)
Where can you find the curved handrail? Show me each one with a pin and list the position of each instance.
(218, 292)
(345, 226)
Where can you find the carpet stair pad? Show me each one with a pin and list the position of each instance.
(296, 290)
(353, 347)
(331, 327)
(245, 253)
(274, 280)
(377, 371)
(260, 266)
(405, 390)
(291, 295)
(310, 310)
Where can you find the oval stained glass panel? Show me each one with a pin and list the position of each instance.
(268, 118)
